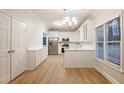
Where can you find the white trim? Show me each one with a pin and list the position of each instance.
(113, 81)
(104, 43)
(78, 66)
(5, 80)
(116, 67)
(121, 39)
(113, 41)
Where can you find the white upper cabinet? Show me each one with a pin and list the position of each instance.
(52, 34)
(73, 36)
(86, 31)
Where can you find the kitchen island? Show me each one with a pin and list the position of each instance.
(79, 57)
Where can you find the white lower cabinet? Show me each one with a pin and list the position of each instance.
(36, 57)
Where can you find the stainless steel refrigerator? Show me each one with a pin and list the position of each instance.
(53, 46)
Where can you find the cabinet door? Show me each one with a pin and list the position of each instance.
(5, 29)
(37, 58)
(85, 32)
(90, 34)
(18, 60)
(78, 36)
(81, 35)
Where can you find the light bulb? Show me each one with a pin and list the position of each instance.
(58, 23)
(64, 22)
(74, 18)
(67, 18)
(70, 23)
(75, 22)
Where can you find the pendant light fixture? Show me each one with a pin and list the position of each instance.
(68, 21)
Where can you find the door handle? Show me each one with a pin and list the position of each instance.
(11, 51)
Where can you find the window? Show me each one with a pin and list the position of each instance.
(112, 32)
(113, 52)
(108, 41)
(100, 42)
(44, 39)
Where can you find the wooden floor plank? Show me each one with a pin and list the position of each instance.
(52, 71)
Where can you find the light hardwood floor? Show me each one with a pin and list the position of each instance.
(52, 71)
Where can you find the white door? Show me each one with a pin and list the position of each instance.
(5, 29)
(18, 57)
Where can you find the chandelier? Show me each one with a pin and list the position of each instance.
(69, 21)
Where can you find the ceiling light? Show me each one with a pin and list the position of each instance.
(67, 18)
(74, 18)
(58, 23)
(64, 22)
(69, 21)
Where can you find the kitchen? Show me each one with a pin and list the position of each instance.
(74, 42)
(63, 45)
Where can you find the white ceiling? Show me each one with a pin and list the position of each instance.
(49, 16)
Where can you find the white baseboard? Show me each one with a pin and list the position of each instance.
(106, 75)
(5, 79)
(78, 66)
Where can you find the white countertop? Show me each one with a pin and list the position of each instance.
(80, 48)
(35, 48)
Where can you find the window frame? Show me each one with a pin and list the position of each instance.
(113, 65)
(97, 41)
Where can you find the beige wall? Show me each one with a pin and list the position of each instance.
(99, 18)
